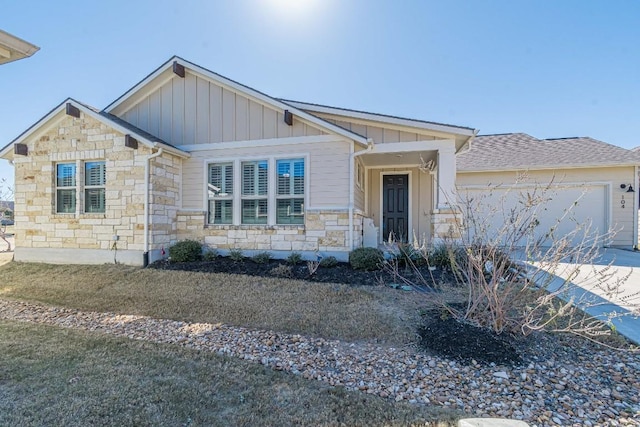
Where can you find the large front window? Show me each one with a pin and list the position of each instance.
(270, 192)
(290, 192)
(255, 177)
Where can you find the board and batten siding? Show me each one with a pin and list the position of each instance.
(194, 110)
(620, 219)
(380, 132)
(327, 171)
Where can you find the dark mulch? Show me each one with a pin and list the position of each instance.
(446, 336)
(341, 273)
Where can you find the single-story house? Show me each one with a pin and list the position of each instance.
(189, 154)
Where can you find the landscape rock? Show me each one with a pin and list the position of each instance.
(575, 388)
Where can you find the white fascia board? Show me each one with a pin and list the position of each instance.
(411, 146)
(549, 167)
(383, 118)
(272, 142)
(244, 90)
(15, 44)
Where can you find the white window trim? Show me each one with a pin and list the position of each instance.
(226, 197)
(92, 187)
(79, 187)
(75, 188)
(271, 185)
(266, 197)
(290, 196)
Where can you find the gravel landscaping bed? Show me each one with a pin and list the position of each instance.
(578, 384)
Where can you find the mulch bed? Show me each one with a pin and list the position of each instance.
(445, 336)
(341, 273)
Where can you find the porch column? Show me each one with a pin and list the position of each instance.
(446, 178)
(446, 221)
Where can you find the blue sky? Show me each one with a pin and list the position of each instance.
(547, 68)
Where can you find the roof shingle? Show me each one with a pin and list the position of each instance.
(521, 151)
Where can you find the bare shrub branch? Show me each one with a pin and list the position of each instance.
(525, 271)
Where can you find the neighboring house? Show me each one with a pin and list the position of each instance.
(13, 48)
(189, 154)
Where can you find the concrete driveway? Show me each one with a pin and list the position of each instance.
(610, 285)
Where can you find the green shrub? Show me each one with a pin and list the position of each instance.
(408, 255)
(210, 255)
(186, 251)
(328, 262)
(282, 271)
(294, 259)
(366, 258)
(236, 254)
(444, 256)
(261, 258)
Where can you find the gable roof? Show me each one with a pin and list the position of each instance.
(106, 118)
(384, 118)
(13, 48)
(517, 151)
(236, 87)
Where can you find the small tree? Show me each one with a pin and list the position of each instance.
(6, 194)
(523, 276)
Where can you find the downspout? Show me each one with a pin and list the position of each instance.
(147, 179)
(352, 189)
(635, 209)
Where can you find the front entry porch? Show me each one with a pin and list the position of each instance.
(405, 191)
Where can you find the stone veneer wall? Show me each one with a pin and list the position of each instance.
(165, 201)
(46, 236)
(325, 232)
(446, 224)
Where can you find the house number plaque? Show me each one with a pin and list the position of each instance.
(622, 202)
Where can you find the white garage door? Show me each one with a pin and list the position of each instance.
(572, 205)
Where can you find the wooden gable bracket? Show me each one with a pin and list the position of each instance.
(72, 111)
(20, 149)
(288, 117)
(130, 142)
(178, 69)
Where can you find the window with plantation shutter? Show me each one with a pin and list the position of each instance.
(290, 191)
(94, 187)
(66, 188)
(254, 203)
(220, 190)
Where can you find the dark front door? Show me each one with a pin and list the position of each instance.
(395, 210)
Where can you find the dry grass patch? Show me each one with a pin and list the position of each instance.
(325, 310)
(54, 376)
